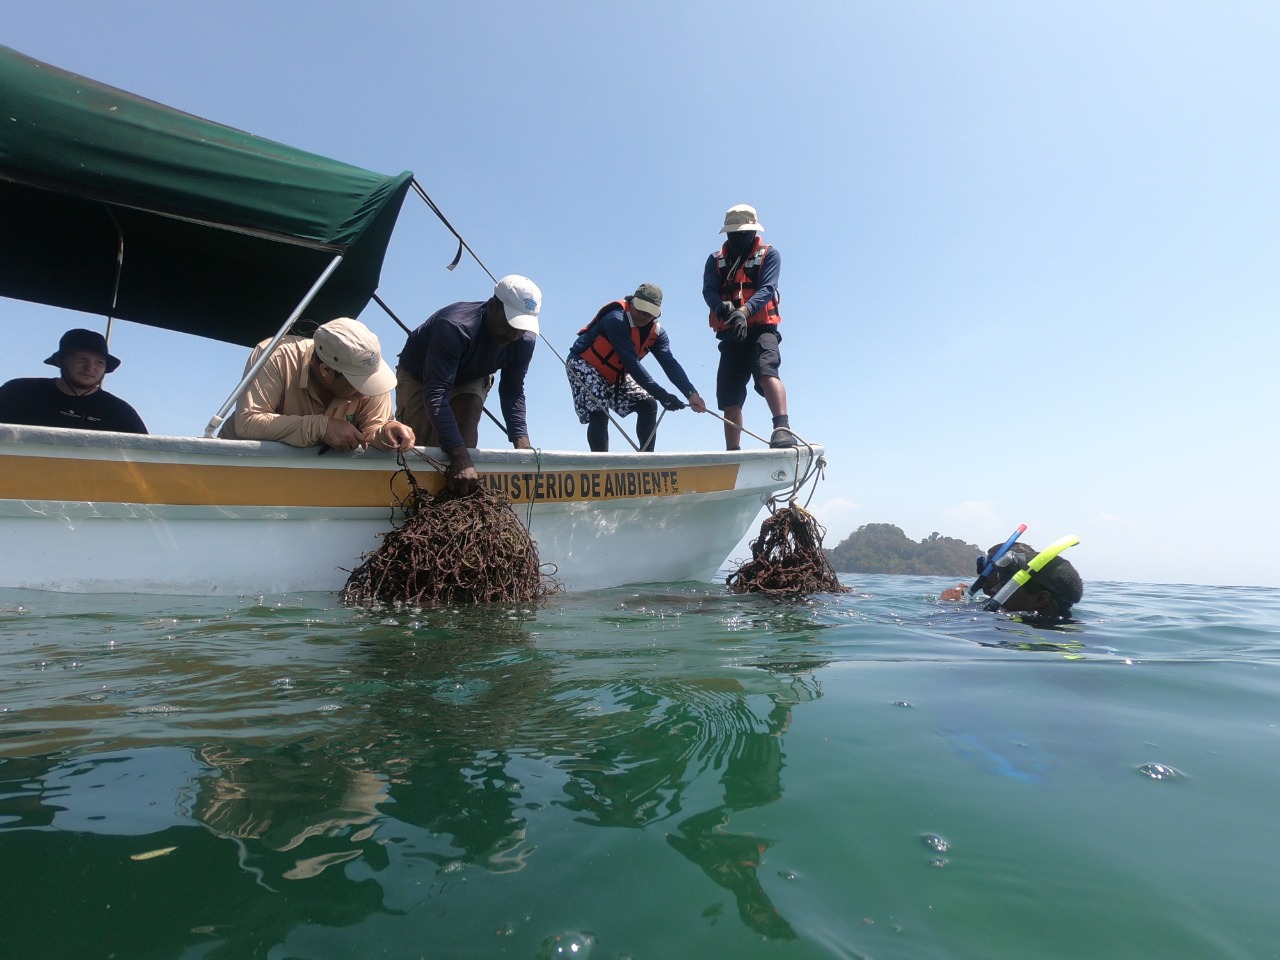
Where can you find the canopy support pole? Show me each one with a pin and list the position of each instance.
(212, 429)
(115, 288)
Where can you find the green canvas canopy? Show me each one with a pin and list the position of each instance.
(222, 232)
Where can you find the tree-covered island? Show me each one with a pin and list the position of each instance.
(884, 548)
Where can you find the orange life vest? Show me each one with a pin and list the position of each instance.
(600, 353)
(741, 287)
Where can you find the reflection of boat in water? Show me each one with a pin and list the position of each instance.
(123, 207)
(341, 772)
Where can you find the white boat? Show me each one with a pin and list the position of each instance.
(95, 512)
(115, 205)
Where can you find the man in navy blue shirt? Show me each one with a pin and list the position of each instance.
(75, 399)
(605, 372)
(447, 368)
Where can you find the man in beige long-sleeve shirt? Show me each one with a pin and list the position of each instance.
(332, 388)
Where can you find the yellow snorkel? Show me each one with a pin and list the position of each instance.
(1037, 564)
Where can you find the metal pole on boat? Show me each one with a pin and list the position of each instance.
(115, 287)
(212, 429)
(646, 445)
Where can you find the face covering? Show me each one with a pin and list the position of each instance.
(740, 242)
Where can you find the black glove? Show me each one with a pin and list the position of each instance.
(723, 311)
(738, 321)
(672, 402)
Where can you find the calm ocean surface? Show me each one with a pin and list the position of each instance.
(651, 772)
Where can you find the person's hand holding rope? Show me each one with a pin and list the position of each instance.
(461, 477)
(392, 435)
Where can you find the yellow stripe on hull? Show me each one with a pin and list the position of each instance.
(132, 481)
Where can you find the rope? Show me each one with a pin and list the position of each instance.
(528, 513)
(787, 559)
(462, 244)
(450, 550)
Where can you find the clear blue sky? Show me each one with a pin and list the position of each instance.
(1029, 249)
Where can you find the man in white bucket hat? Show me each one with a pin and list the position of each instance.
(740, 287)
(331, 388)
(447, 368)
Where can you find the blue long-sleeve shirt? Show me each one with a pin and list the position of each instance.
(770, 270)
(617, 328)
(451, 347)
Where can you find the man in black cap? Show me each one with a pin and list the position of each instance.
(75, 399)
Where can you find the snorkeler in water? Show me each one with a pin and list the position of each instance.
(1021, 579)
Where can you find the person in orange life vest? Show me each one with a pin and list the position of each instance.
(740, 287)
(605, 372)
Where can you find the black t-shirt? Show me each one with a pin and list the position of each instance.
(37, 402)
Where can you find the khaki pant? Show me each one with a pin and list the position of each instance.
(411, 411)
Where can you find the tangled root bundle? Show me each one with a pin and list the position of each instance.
(452, 550)
(787, 558)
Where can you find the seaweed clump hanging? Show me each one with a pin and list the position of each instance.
(450, 550)
(787, 559)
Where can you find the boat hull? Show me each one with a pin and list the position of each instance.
(115, 513)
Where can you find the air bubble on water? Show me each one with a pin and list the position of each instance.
(563, 946)
(935, 842)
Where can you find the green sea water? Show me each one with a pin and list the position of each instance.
(646, 772)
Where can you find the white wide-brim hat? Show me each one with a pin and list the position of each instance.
(741, 217)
